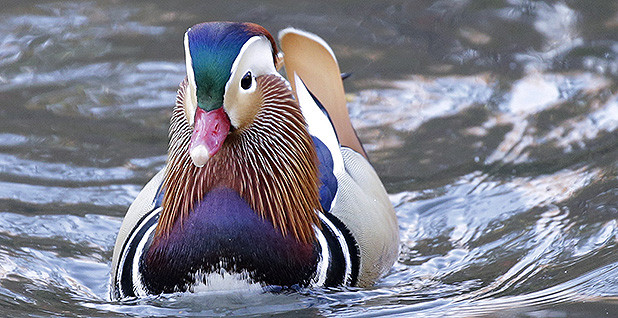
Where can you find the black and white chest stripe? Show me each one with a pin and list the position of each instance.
(338, 262)
(128, 280)
(339, 257)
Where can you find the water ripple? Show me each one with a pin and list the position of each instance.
(22, 168)
(493, 125)
(103, 196)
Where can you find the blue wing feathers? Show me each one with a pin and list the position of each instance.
(328, 187)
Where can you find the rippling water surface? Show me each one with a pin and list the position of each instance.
(493, 124)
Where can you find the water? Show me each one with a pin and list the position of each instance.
(493, 124)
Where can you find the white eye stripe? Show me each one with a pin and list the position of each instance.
(256, 57)
(191, 99)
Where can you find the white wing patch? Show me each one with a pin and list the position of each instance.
(318, 124)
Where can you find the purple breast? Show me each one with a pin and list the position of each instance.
(224, 233)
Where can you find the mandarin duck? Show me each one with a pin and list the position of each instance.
(266, 181)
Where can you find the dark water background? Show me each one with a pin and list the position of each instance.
(493, 124)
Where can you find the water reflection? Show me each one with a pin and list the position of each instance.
(492, 123)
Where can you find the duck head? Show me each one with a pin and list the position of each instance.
(237, 125)
(223, 61)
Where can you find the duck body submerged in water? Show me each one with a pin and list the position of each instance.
(265, 183)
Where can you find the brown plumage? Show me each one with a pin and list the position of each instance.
(271, 163)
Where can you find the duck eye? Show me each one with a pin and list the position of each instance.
(246, 80)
